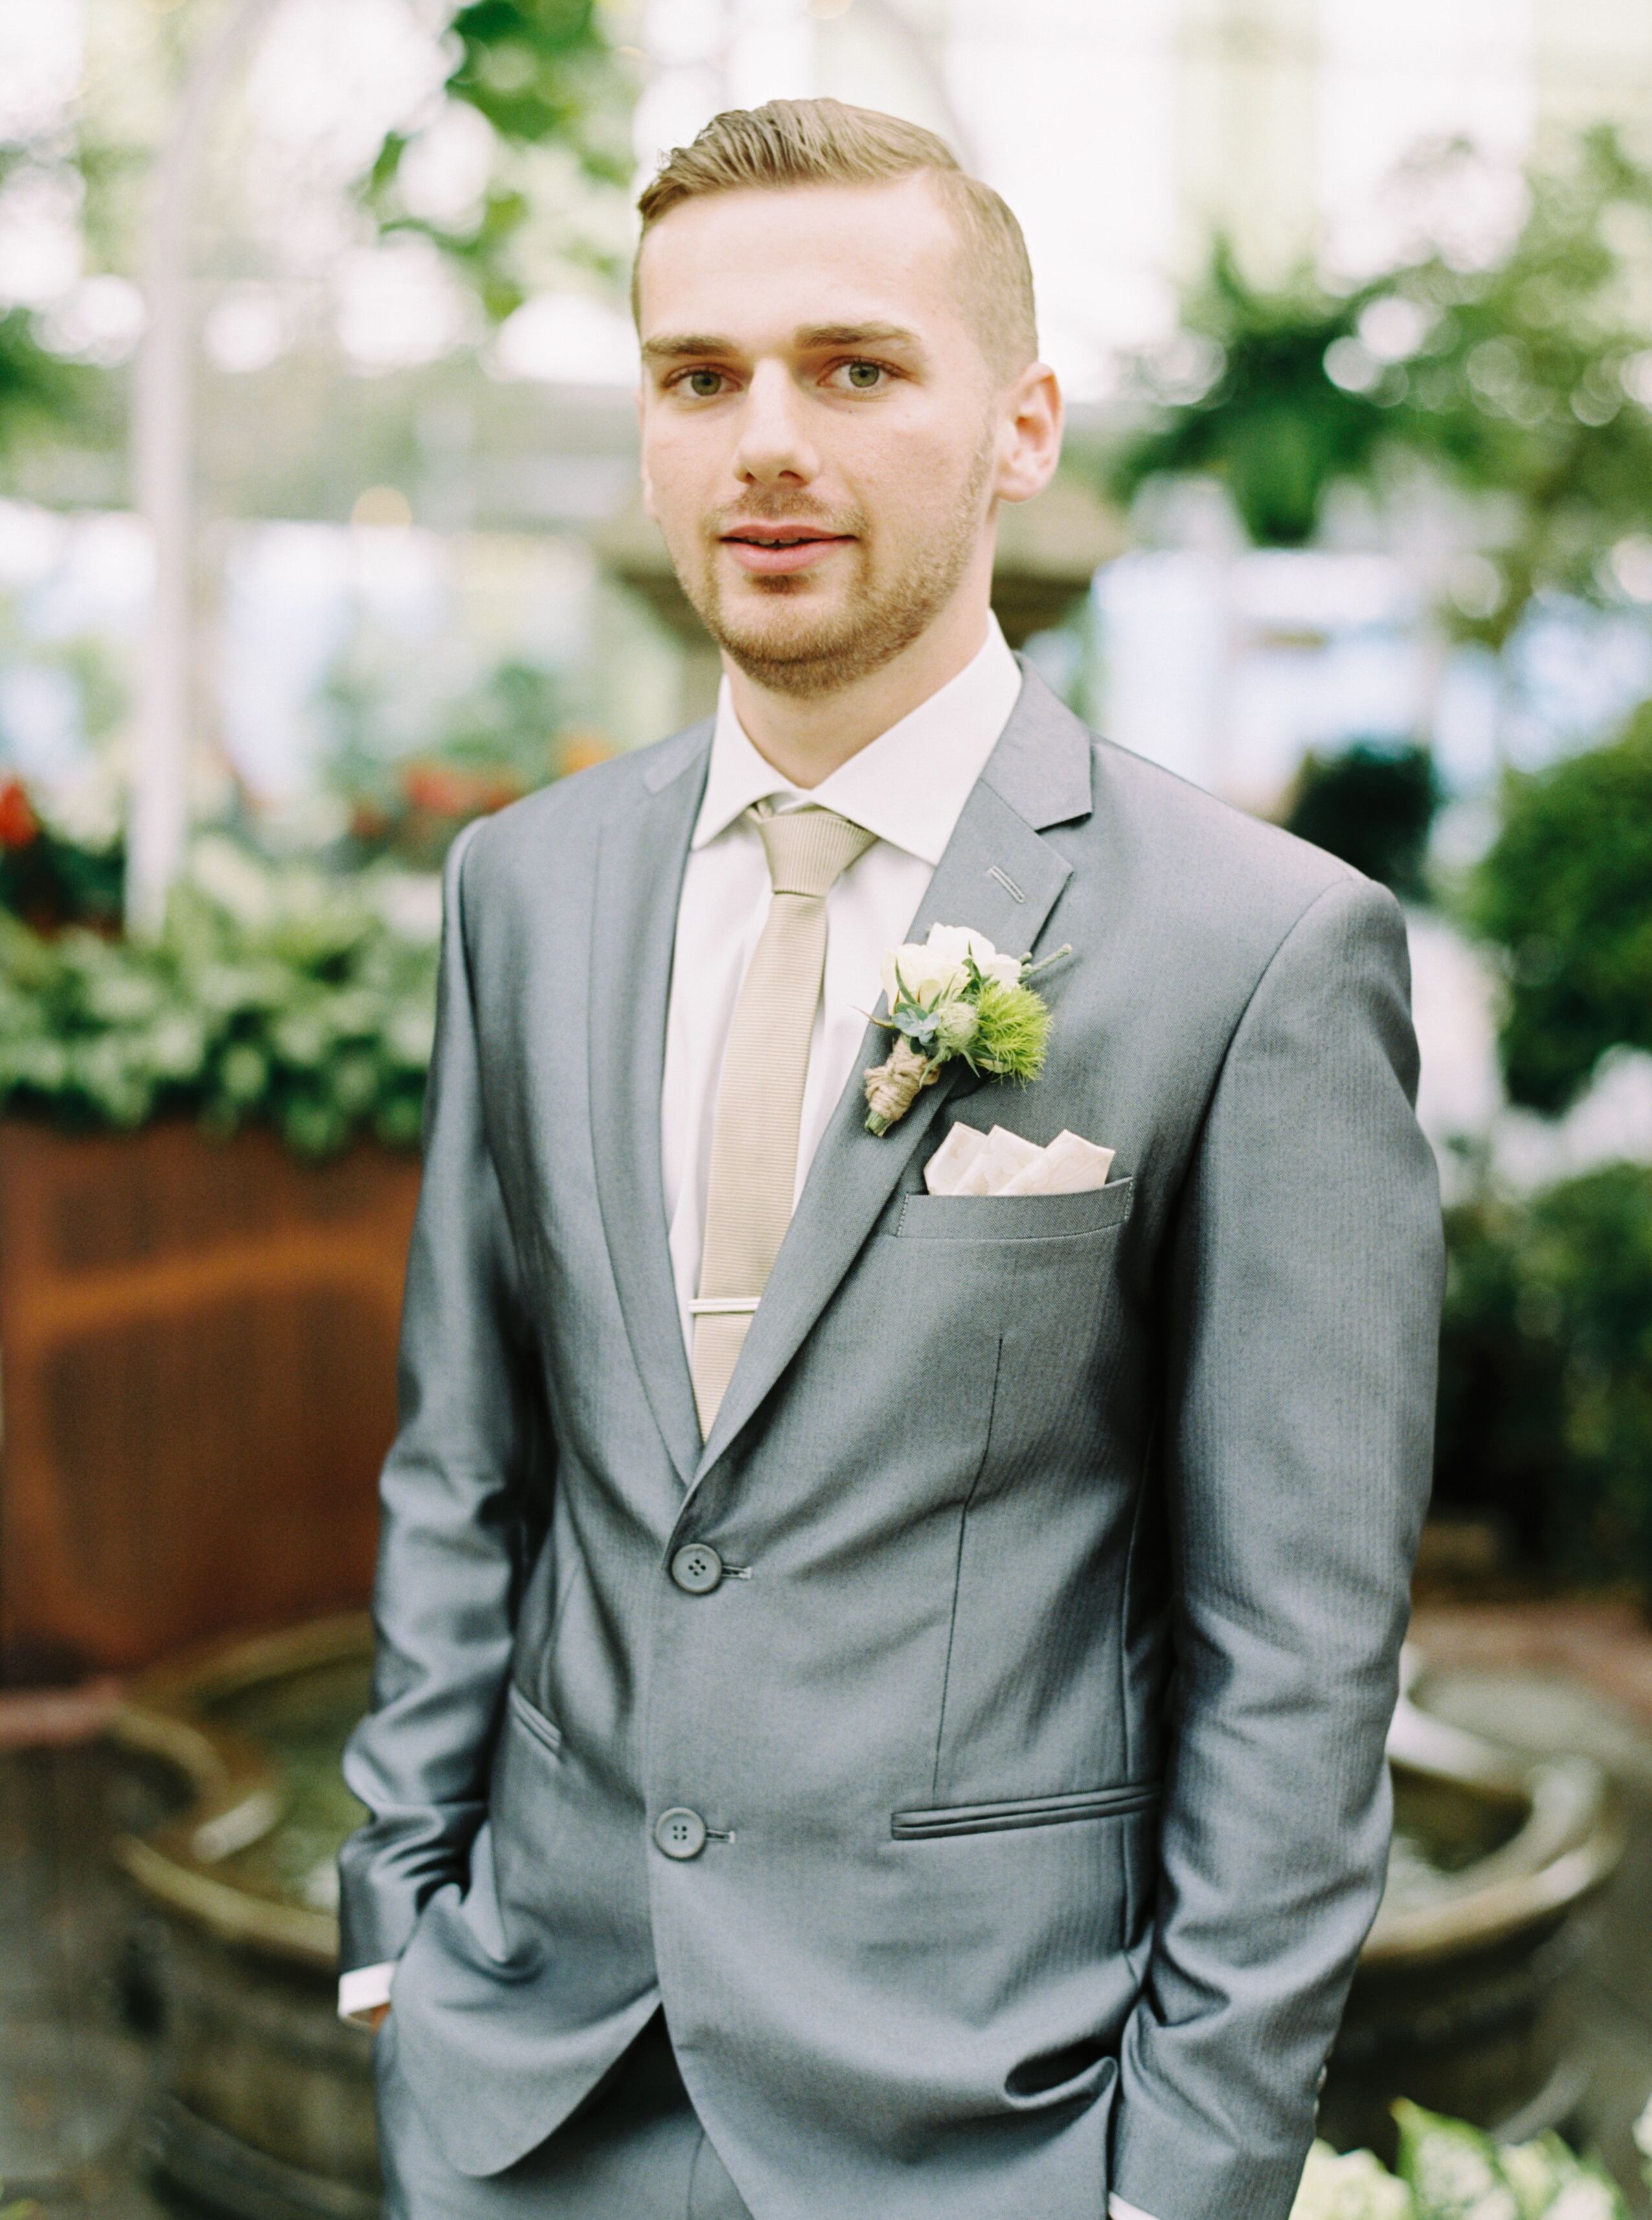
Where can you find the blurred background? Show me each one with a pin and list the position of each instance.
(320, 536)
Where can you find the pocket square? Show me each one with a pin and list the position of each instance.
(969, 1162)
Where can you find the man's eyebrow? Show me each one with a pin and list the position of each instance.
(673, 347)
(687, 346)
(825, 335)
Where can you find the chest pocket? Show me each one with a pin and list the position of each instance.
(1040, 1272)
(1015, 1218)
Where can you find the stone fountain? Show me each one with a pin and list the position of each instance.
(267, 2113)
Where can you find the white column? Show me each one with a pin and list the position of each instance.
(163, 423)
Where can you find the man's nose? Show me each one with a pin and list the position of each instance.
(773, 446)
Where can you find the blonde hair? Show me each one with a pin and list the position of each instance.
(825, 142)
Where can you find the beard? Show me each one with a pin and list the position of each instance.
(775, 635)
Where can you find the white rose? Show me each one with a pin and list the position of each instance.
(1355, 2185)
(1585, 2199)
(935, 971)
(1641, 2131)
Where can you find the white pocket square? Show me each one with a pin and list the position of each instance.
(969, 1162)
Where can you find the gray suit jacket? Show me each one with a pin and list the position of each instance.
(1042, 1743)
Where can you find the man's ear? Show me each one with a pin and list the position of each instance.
(1031, 444)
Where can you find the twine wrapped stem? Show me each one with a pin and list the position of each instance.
(892, 1086)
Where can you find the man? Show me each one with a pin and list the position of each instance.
(882, 1693)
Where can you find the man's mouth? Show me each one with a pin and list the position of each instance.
(769, 550)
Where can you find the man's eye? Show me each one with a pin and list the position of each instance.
(863, 375)
(704, 385)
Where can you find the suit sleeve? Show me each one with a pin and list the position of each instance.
(451, 1494)
(1302, 1329)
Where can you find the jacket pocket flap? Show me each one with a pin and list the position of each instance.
(1027, 1811)
(1015, 1216)
(533, 1721)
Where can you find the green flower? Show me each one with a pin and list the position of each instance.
(1014, 1034)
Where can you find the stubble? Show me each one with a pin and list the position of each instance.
(782, 642)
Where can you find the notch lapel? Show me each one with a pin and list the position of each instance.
(998, 876)
(642, 854)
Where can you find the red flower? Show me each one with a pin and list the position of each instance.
(18, 824)
(444, 790)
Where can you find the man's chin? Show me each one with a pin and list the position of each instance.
(804, 635)
(790, 642)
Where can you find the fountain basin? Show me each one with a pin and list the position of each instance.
(1457, 2001)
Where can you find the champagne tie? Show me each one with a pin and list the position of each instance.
(760, 1096)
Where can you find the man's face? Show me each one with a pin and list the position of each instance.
(822, 436)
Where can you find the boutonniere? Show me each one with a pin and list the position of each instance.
(955, 996)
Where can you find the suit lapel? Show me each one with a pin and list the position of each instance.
(997, 877)
(642, 855)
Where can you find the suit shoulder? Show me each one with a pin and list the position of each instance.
(1211, 850)
(575, 808)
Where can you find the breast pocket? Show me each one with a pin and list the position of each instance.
(1041, 1273)
(1015, 1218)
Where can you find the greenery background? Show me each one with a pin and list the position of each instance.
(296, 991)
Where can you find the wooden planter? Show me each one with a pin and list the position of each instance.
(199, 1344)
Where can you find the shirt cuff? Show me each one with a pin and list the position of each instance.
(1118, 2207)
(369, 1987)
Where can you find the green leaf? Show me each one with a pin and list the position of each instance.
(272, 993)
(1566, 892)
(1508, 380)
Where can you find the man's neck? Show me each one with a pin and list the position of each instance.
(806, 739)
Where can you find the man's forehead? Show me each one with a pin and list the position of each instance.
(788, 259)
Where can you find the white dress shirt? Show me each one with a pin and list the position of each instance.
(908, 787)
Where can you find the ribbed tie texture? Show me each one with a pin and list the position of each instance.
(760, 1096)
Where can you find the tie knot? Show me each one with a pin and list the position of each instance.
(810, 849)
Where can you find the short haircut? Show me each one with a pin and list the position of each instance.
(825, 142)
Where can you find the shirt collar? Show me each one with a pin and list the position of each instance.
(908, 786)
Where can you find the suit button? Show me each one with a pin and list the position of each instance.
(680, 1833)
(697, 1568)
